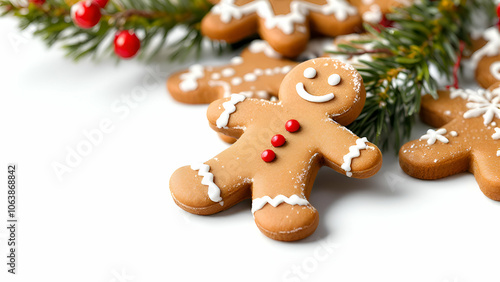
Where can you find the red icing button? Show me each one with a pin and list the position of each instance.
(278, 140)
(292, 125)
(268, 156)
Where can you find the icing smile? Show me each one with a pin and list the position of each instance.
(312, 98)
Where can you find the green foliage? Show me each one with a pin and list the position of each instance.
(425, 34)
(153, 20)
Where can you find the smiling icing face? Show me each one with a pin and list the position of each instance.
(324, 85)
(310, 73)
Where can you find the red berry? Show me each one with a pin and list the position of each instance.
(386, 22)
(101, 3)
(86, 14)
(37, 2)
(292, 125)
(278, 140)
(127, 44)
(498, 10)
(268, 156)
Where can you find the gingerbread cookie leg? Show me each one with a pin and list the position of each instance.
(485, 164)
(210, 187)
(438, 153)
(280, 204)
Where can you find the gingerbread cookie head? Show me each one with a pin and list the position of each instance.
(326, 87)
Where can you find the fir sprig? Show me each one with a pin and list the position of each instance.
(153, 20)
(425, 34)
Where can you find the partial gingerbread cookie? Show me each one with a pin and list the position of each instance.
(285, 24)
(257, 73)
(486, 60)
(354, 60)
(280, 149)
(373, 11)
(467, 138)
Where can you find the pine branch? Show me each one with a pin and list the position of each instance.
(154, 20)
(425, 34)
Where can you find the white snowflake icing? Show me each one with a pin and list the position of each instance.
(496, 135)
(485, 103)
(433, 135)
(462, 93)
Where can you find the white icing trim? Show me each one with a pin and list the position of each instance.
(237, 60)
(453, 133)
(492, 47)
(354, 152)
(374, 15)
(495, 70)
(229, 108)
(227, 10)
(208, 179)
(498, 153)
(309, 72)
(293, 200)
(261, 46)
(189, 80)
(433, 135)
(496, 135)
(311, 98)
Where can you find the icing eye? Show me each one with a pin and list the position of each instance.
(334, 79)
(309, 73)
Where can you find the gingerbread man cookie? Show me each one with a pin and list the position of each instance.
(486, 60)
(257, 72)
(280, 149)
(287, 24)
(467, 138)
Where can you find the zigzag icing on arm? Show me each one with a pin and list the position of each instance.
(208, 179)
(354, 152)
(229, 108)
(189, 80)
(293, 200)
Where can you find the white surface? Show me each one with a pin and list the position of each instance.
(113, 214)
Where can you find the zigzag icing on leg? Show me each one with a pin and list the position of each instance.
(208, 179)
(293, 200)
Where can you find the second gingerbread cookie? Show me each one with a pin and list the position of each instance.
(280, 149)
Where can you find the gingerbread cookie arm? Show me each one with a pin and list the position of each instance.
(192, 87)
(222, 27)
(346, 153)
(437, 154)
(230, 116)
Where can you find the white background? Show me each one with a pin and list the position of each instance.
(112, 218)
